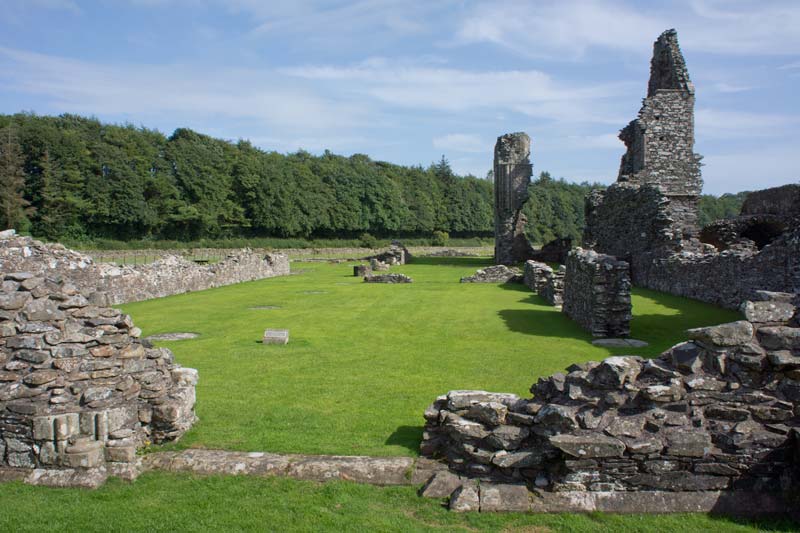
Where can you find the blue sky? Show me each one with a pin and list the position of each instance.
(407, 81)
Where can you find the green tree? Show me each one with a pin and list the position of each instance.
(14, 207)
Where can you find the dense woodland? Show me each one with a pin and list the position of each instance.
(74, 178)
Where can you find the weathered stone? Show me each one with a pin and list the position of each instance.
(495, 274)
(588, 445)
(688, 443)
(387, 278)
(276, 336)
(686, 357)
(441, 485)
(490, 413)
(504, 497)
(512, 173)
(465, 498)
(614, 372)
(768, 311)
(779, 338)
(731, 334)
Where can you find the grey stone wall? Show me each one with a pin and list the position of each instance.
(553, 289)
(535, 275)
(120, 284)
(512, 176)
(597, 293)
(79, 390)
(715, 413)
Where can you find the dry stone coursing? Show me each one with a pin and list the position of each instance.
(535, 275)
(553, 289)
(715, 414)
(387, 278)
(495, 274)
(512, 176)
(120, 284)
(79, 390)
(597, 293)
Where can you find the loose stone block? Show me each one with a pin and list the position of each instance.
(276, 336)
(360, 271)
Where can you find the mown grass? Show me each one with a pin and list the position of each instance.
(364, 360)
(166, 502)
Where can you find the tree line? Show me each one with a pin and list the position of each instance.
(75, 178)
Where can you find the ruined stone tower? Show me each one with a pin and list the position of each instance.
(653, 205)
(512, 175)
(660, 142)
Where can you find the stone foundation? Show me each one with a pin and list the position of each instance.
(597, 293)
(122, 284)
(713, 417)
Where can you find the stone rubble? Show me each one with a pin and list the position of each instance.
(397, 254)
(495, 274)
(714, 416)
(387, 278)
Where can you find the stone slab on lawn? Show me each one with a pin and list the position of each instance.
(276, 336)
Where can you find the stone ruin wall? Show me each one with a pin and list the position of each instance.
(132, 283)
(649, 217)
(80, 392)
(597, 293)
(713, 416)
(512, 176)
(544, 281)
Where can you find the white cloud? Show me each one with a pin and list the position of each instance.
(723, 124)
(462, 142)
(569, 28)
(147, 90)
(530, 92)
(564, 28)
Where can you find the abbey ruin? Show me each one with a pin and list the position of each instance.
(711, 425)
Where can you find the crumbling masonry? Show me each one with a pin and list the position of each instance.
(512, 175)
(649, 216)
(80, 392)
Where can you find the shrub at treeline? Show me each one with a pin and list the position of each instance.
(73, 178)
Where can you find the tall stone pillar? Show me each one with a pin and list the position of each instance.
(512, 175)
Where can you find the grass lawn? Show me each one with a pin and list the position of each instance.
(364, 360)
(164, 502)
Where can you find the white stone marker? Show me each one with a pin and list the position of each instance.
(276, 336)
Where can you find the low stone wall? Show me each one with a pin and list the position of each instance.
(597, 293)
(121, 284)
(553, 289)
(714, 414)
(79, 391)
(535, 275)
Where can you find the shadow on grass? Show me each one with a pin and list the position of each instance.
(476, 262)
(408, 437)
(541, 323)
